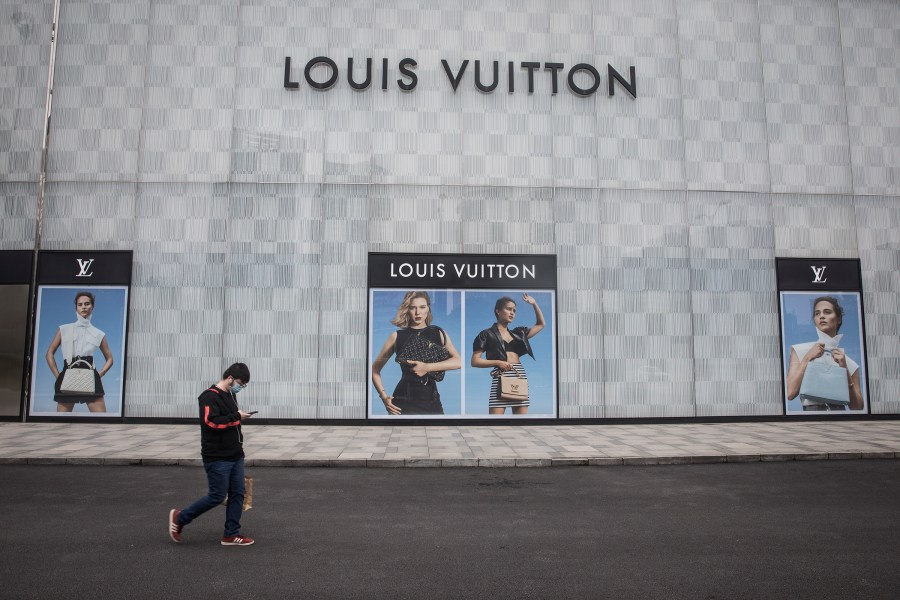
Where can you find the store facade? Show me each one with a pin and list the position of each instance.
(254, 161)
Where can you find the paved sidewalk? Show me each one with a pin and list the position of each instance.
(457, 445)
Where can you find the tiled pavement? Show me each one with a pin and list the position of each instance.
(458, 445)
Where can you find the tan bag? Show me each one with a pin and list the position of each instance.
(513, 389)
(248, 494)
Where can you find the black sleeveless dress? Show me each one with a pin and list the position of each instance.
(416, 395)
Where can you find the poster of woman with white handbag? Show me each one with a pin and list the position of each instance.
(501, 348)
(98, 329)
(424, 353)
(825, 374)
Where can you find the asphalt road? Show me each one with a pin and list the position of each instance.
(822, 529)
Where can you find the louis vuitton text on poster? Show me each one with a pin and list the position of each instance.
(391, 270)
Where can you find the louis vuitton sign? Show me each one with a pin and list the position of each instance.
(582, 79)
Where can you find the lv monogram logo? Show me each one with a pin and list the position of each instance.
(818, 272)
(84, 266)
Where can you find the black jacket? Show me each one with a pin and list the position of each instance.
(490, 342)
(220, 426)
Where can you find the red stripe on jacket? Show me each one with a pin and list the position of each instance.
(216, 425)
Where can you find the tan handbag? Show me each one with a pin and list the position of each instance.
(514, 389)
(248, 494)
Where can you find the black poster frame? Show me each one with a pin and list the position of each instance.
(468, 280)
(803, 280)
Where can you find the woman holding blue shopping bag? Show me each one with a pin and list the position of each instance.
(820, 372)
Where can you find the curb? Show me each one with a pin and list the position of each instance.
(489, 463)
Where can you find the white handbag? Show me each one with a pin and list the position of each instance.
(78, 379)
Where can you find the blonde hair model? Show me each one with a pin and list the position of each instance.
(403, 319)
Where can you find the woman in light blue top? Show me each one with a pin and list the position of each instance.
(828, 315)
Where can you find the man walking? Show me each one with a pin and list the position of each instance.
(221, 445)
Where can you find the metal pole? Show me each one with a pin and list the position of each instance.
(39, 220)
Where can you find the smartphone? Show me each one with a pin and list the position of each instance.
(252, 412)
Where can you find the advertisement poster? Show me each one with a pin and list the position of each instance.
(823, 337)
(462, 336)
(78, 366)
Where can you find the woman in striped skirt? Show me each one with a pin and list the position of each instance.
(501, 347)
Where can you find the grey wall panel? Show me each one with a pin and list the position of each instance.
(279, 135)
(343, 306)
(89, 216)
(271, 295)
(176, 342)
(98, 91)
(806, 109)
(180, 62)
(870, 31)
(879, 253)
(578, 216)
(734, 304)
(175, 346)
(414, 219)
(814, 226)
(647, 345)
(415, 135)
(576, 144)
(348, 143)
(190, 82)
(721, 84)
(24, 35)
(508, 136)
(18, 212)
(641, 142)
(499, 220)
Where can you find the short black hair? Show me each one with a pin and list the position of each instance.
(238, 371)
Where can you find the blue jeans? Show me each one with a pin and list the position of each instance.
(226, 477)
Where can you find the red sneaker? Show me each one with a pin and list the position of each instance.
(237, 540)
(174, 527)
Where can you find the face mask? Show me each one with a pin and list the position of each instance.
(236, 388)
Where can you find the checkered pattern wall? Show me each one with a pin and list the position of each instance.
(761, 129)
(24, 35)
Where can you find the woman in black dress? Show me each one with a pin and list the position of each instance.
(416, 393)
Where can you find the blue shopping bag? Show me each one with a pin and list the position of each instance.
(825, 382)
